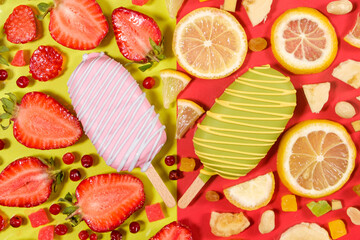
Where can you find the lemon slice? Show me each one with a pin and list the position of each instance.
(253, 194)
(173, 83)
(188, 113)
(210, 43)
(304, 41)
(173, 7)
(316, 158)
(305, 231)
(353, 37)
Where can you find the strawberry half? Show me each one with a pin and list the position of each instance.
(27, 182)
(45, 63)
(41, 122)
(20, 27)
(105, 201)
(137, 36)
(173, 231)
(78, 24)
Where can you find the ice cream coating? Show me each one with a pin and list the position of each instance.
(244, 122)
(115, 114)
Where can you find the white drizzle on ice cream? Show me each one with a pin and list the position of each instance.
(115, 113)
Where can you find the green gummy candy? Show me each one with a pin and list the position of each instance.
(319, 208)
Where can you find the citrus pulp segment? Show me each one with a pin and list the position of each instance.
(353, 37)
(173, 83)
(304, 41)
(188, 113)
(253, 194)
(316, 158)
(210, 43)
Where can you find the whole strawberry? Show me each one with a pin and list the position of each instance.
(27, 182)
(20, 26)
(76, 24)
(173, 231)
(45, 63)
(138, 37)
(105, 201)
(41, 122)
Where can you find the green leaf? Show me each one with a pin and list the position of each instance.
(145, 67)
(69, 210)
(8, 105)
(43, 7)
(58, 180)
(3, 61)
(75, 220)
(155, 46)
(5, 127)
(12, 97)
(4, 49)
(161, 57)
(69, 197)
(5, 116)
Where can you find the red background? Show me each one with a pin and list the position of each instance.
(204, 92)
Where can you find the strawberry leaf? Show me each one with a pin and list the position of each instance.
(12, 97)
(3, 61)
(4, 49)
(5, 116)
(59, 177)
(145, 67)
(155, 47)
(8, 105)
(45, 8)
(69, 210)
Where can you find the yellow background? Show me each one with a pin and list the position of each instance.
(58, 89)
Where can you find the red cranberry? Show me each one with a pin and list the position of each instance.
(61, 229)
(93, 236)
(2, 223)
(55, 209)
(75, 175)
(148, 82)
(22, 82)
(134, 227)
(3, 74)
(16, 221)
(170, 160)
(115, 235)
(87, 161)
(2, 144)
(83, 235)
(175, 174)
(68, 158)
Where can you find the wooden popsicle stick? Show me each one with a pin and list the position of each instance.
(160, 187)
(193, 190)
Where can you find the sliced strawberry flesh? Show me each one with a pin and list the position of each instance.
(25, 183)
(78, 24)
(107, 200)
(132, 32)
(45, 63)
(20, 27)
(43, 123)
(173, 231)
(304, 39)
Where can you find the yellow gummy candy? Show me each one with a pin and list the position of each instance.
(337, 228)
(288, 203)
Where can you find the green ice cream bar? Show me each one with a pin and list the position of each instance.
(244, 122)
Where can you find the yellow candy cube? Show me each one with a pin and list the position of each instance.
(337, 228)
(336, 204)
(288, 203)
